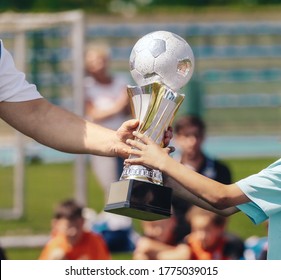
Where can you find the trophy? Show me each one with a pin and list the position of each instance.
(161, 63)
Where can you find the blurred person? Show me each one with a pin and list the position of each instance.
(107, 104)
(69, 239)
(209, 240)
(256, 247)
(22, 107)
(158, 237)
(190, 133)
(258, 195)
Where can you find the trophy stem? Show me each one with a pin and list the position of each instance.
(142, 173)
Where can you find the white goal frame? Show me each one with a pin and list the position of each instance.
(18, 24)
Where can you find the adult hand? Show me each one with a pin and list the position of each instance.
(124, 132)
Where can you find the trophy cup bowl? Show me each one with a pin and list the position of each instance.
(161, 62)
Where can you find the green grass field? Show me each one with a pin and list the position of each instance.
(48, 184)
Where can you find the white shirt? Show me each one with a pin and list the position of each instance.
(105, 96)
(13, 85)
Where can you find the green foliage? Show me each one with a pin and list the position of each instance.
(23, 253)
(105, 6)
(46, 186)
(6, 187)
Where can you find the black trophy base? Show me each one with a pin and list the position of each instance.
(140, 200)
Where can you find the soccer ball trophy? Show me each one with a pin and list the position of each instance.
(161, 63)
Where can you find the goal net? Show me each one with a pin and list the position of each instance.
(49, 49)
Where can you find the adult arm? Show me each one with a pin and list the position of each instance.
(57, 128)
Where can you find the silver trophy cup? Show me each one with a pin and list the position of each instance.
(140, 192)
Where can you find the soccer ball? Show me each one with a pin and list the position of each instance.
(162, 57)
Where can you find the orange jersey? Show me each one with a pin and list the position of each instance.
(199, 253)
(90, 247)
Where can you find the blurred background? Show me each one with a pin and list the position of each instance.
(235, 89)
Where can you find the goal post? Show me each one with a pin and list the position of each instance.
(17, 26)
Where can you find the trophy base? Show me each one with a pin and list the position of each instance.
(140, 200)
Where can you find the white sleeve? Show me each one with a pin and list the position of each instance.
(13, 85)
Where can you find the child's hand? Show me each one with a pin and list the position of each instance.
(147, 152)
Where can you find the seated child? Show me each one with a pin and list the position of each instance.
(209, 239)
(69, 240)
(157, 238)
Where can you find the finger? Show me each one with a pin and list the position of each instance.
(136, 144)
(126, 151)
(127, 128)
(131, 161)
(142, 137)
(133, 152)
(131, 124)
(125, 163)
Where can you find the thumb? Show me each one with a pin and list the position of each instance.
(131, 124)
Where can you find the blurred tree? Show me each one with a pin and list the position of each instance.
(270, 2)
(105, 6)
(23, 5)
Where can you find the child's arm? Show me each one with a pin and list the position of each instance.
(180, 191)
(219, 195)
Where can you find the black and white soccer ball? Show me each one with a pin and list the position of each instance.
(162, 57)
